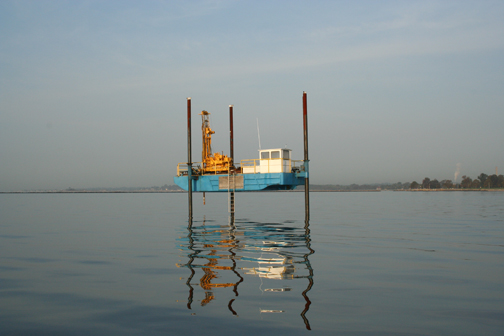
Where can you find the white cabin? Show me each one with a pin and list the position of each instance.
(277, 160)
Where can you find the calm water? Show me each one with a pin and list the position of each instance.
(387, 263)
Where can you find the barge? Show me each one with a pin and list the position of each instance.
(273, 170)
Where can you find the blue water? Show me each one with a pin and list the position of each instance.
(377, 263)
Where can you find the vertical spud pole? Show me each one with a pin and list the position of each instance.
(189, 160)
(231, 165)
(306, 161)
(231, 136)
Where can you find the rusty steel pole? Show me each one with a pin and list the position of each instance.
(189, 161)
(306, 160)
(231, 165)
(231, 136)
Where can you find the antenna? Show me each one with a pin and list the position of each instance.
(258, 134)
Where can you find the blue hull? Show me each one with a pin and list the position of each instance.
(244, 182)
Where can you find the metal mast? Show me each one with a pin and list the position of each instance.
(189, 160)
(306, 160)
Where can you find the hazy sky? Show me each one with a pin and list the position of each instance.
(93, 93)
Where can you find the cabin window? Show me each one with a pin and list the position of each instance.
(264, 155)
(275, 155)
(285, 154)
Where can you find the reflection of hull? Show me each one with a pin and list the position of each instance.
(272, 272)
(285, 289)
(242, 182)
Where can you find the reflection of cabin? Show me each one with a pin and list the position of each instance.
(270, 267)
(276, 160)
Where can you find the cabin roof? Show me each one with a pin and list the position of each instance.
(271, 149)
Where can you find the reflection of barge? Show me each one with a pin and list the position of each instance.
(223, 256)
(274, 170)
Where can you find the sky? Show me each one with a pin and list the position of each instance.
(94, 93)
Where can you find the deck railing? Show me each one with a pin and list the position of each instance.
(251, 166)
(182, 168)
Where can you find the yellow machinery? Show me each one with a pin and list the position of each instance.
(215, 163)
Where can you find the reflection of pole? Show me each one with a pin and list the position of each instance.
(306, 161)
(189, 160)
(189, 264)
(308, 302)
(310, 277)
(233, 268)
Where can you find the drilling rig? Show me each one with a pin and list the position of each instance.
(216, 163)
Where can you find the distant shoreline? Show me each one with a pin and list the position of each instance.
(438, 190)
(96, 192)
(183, 191)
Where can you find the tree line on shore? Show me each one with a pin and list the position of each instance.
(482, 181)
(357, 187)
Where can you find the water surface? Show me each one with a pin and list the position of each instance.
(382, 263)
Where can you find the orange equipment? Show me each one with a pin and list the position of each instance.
(216, 163)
